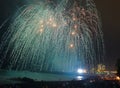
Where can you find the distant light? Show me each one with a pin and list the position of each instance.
(79, 77)
(81, 71)
(117, 78)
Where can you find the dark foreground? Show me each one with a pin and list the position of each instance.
(15, 79)
(28, 83)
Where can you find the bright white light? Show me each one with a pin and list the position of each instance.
(79, 77)
(81, 71)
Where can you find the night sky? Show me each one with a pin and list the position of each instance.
(110, 15)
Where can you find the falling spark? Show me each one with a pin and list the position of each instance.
(22, 48)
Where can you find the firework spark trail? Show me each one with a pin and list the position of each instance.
(43, 38)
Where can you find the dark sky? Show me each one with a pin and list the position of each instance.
(110, 15)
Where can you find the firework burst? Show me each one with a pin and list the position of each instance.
(53, 37)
